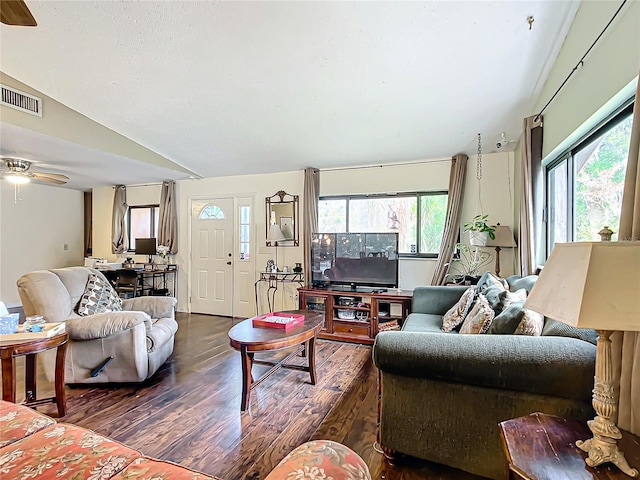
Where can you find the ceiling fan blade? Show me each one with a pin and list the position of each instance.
(55, 176)
(16, 12)
(50, 180)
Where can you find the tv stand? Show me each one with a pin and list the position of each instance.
(356, 316)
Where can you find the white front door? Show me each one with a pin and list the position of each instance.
(212, 256)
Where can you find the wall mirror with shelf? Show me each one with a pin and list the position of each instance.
(282, 210)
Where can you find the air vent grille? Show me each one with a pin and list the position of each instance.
(21, 101)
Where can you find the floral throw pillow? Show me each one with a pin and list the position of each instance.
(456, 314)
(532, 323)
(479, 318)
(99, 297)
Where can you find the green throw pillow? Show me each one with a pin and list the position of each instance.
(508, 320)
(558, 329)
(488, 280)
(499, 298)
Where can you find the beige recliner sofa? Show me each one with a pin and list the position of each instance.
(140, 338)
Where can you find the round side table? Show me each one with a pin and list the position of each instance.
(9, 350)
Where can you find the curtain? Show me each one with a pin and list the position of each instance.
(626, 345)
(88, 223)
(310, 217)
(531, 167)
(451, 231)
(119, 237)
(168, 217)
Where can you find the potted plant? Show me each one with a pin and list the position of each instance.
(479, 230)
(466, 269)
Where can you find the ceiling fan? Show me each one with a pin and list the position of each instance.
(16, 12)
(17, 172)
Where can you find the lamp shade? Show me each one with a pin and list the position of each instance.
(590, 285)
(504, 237)
(275, 233)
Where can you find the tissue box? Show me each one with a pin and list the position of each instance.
(9, 323)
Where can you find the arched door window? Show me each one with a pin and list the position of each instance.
(211, 212)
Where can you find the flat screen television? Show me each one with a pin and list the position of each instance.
(145, 246)
(355, 259)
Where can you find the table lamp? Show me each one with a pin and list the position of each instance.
(275, 236)
(594, 285)
(504, 239)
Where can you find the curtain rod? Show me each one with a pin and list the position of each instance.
(140, 185)
(581, 61)
(401, 164)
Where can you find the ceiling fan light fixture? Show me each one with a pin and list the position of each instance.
(17, 179)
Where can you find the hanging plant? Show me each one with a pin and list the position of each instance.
(479, 230)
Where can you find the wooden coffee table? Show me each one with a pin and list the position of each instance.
(249, 340)
(9, 350)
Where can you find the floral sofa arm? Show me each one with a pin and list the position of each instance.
(30, 441)
(321, 459)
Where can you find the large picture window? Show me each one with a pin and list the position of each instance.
(418, 217)
(584, 186)
(142, 222)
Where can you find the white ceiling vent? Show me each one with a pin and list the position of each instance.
(21, 101)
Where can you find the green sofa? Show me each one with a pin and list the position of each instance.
(443, 394)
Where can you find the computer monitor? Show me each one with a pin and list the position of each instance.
(146, 246)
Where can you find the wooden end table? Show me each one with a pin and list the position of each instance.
(249, 340)
(9, 350)
(542, 447)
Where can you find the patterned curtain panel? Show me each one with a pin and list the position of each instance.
(168, 218)
(119, 237)
(457, 178)
(310, 216)
(531, 183)
(626, 345)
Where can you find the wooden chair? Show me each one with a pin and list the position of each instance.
(127, 283)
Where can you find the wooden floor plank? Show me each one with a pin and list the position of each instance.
(189, 411)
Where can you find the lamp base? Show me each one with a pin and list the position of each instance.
(602, 450)
(603, 446)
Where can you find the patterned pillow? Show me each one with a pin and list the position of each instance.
(532, 323)
(479, 318)
(99, 297)
(455, 315)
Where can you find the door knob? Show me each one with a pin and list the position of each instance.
(229, 263)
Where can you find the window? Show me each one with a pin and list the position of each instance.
(245, 233)
(584, 186)
(142, 222)
(211, 212)
(417, 217)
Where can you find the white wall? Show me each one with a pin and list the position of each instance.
(496, 188)
(257, 186)
(608, 70)
(497, 201)
(35, 231)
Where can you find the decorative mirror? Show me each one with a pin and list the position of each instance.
(282, 219)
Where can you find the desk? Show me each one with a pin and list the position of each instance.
(542, 447)
(273, 279)
(9, 350)
(150, 282)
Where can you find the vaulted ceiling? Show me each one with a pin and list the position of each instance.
(227, 88)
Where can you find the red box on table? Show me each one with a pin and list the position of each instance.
(282, 320)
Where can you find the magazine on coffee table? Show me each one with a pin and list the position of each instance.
(281, 320)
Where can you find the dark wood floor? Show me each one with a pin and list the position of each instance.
(189, 412)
